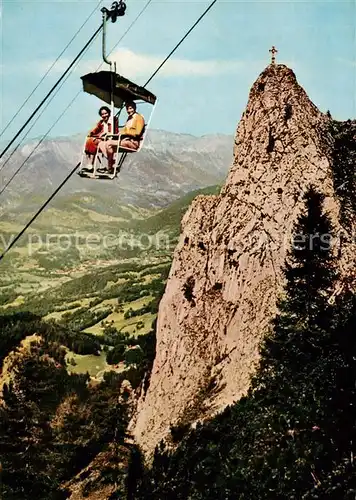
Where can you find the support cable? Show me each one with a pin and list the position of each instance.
(35, 148)
(15, 240)
(75, 168)
(41, 140)
(174, 49)
(78, 93)
(52, 90)
(181, 41)
(48, 71)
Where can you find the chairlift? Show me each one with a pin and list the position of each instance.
(115, 90)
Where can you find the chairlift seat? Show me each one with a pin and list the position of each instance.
(114, 89)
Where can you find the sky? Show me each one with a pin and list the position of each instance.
(203, 89)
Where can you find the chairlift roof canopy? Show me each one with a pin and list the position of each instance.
(101, 83)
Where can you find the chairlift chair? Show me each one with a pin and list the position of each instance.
(113, 89)
(100, 84)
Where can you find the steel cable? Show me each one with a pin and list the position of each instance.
(75, 168)
(48, 71)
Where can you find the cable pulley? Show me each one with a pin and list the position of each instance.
(117, 10)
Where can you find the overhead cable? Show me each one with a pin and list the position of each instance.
(75, 168)
(180, 42)
(42, 138)
(35, 148)
(15, 240)
(75, 97)
(49, 69)
(52, 90)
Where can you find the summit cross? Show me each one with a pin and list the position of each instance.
(273, 51)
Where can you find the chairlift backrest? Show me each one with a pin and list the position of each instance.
(142, 138)
(146, 126)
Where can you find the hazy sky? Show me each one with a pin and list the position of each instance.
(204, 87)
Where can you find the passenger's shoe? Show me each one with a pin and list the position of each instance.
(88, 168)
(106, 170)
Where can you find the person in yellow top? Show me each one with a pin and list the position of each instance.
(130, 135)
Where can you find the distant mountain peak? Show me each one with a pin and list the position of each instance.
(168, 166)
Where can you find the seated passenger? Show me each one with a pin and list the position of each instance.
(130, 135)
(98, 133)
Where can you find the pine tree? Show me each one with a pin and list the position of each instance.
(30, 464)
(305, 386)
(305, 316)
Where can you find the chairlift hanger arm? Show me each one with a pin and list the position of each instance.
(117, 10)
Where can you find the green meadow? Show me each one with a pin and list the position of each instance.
(92, 267)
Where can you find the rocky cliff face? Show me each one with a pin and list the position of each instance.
(227, 268)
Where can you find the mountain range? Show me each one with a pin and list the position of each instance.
(168, 166)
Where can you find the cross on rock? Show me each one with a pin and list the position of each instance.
(273, 51)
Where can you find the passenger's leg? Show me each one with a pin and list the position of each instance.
(102, 146)
(90, 148)
(129, 143)
(111, 147)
